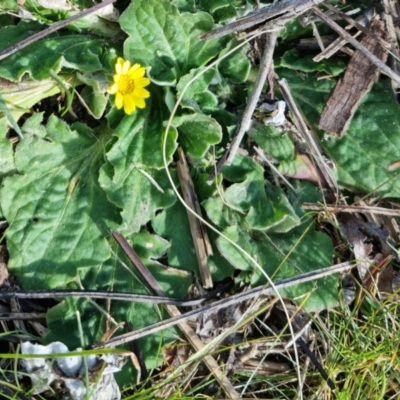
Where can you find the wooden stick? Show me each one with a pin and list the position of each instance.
(201, 241)
(265, 67)
(308, 136)
(358, 25)
(379, 64)
(390, 14)
(338, 43)
(226, 302)
(51, 29)
(350, 209)
(191, 336)
(292, 7)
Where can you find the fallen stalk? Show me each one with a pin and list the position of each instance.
(94, 294)
(237, 298)
(51, 29)
(350, 209)
(383, 68)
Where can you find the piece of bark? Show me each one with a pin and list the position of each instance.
(291, 8)
(356, 82)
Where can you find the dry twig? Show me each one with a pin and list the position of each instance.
(51, 29)
(378, 63)
(191, 336)
(201, 241)
(226, 302)
(308, 137)
(339, 43)
(351, 209)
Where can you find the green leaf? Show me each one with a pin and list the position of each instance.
(225, 14)
(304, 62)
(284, 217)
(173, 224)
(113, 276)
(370, 145)
(373, 132)
(306, 192)
(219, 214)
(165, 40)
(59, 230)
(253, 202)
(197, 96)
(58, 214)
(285, 255)
(6, 150)
(140, 192)
(134, 178)
(272, 213)
(184, 5)
(240, 167)
(20, 97)
(222, 10)
(51, 11)
(197, 133)
(9, 5)
(80, 52)
(294, 30)
(140, 137)
(235, 67)
(273, 141)
(100, 25)
(93, 94)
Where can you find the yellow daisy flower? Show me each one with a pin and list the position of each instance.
(128, 87)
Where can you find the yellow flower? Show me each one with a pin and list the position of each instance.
(128, 87)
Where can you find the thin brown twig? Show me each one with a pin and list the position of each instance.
(358, 25)
(51, 29)
(201, 241)
(237, 298)
(378, 63)
(351, 209)
(191, 336)
(291, 8)
(11, 316)
(390, 14)
(308, 137)
(103, 295)
(265, 67)
(339, 43)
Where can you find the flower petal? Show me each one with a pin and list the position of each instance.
(112, 89)
(139, 101)
(125, 67)
(117, 77)
(134, 68)
(129, 104)
(119, 100)
(119, 64)
(140, 92)
(142, 82)
(137, 72)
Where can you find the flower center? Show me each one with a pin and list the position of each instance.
(125, 84)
